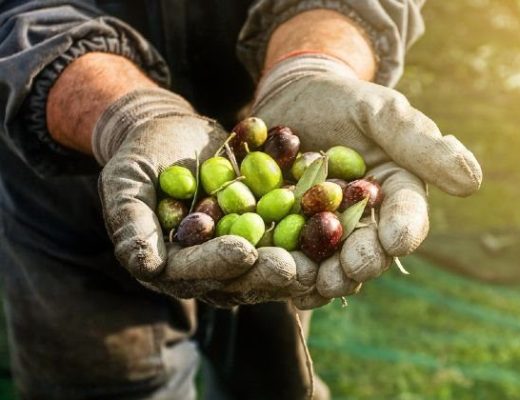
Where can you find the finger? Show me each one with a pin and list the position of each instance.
(415, 142)
(274, 269)
(221, 258)
(128, 197)
(332, 281)
(403, 216)
(362, 256)
(270, 279)
(310, 301)
(306, 269)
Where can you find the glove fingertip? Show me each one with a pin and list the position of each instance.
(466, 177)
(141, 259)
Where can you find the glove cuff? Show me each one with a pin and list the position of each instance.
(295, 68)
(131, 111)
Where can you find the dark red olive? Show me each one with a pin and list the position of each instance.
(280, 129)
(252, 131)
(283, 148)
(209, 205)
(359, 189)
(321, 236)
(196, 228)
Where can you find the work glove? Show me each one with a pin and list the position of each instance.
(328, 105)
(135, 139)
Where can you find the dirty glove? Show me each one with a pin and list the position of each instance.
(323, 100)
(137, 137)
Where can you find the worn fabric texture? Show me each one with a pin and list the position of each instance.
(392, 26)
(319, 98)
(37, 41)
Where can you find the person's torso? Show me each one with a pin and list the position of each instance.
(198, 40)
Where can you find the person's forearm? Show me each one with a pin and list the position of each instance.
(84, 90)
(326, 32)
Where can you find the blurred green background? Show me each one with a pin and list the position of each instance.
(451, 330)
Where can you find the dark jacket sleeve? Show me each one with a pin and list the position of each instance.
(392, 25)
(38, 39)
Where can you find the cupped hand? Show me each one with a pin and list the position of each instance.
(404, 150)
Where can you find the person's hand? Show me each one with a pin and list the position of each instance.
(326, 104)
(139, 136)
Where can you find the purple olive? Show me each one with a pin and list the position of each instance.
(196, 228)
(283, 148)
(280, 129)
(209, 205)
(321, 236)
(359, 189)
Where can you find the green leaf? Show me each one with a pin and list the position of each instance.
(315, 173)
(351, 216)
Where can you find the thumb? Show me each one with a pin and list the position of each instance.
(415, 142)
(128, 198)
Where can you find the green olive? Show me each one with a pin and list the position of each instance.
(262, 173)
(287, 232)
(178, 182)
(275, 205)
(302, 162)
(214, 172)
(236, 198)
(224, 225)
(345, 163)
(250, 226)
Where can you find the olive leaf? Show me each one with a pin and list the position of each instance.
(314, 174)
(351, 216)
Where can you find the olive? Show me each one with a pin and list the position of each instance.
(345, 163)
(250, 226)
(283, 148)
(224, 225)
(321, 236)
(287, 232)
(196, 228)
(360, 189)
(302, 162)
(324, 196)
(178, 182)
(275, 205)
(214, 172)
(252, 131)
(170, 213)
(262, 174)
(209, 205)
(236, 198)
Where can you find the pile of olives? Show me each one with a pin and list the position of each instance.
(267, 192)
